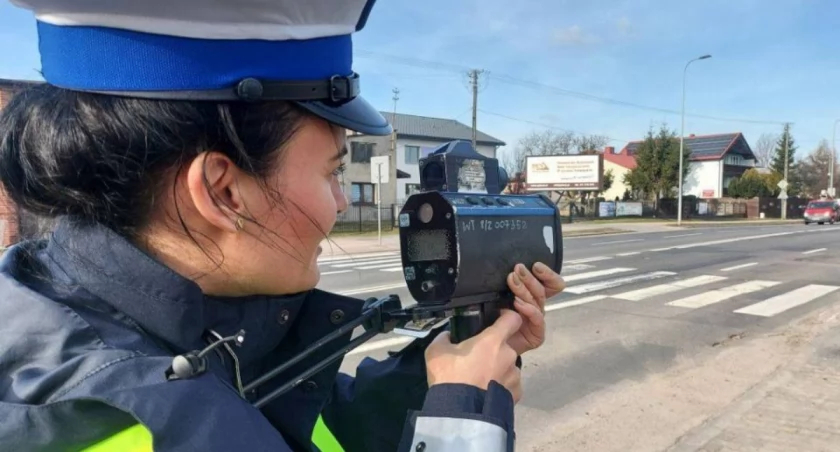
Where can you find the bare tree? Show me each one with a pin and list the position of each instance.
(764, 148)
(813, 170)
(585, 144)
(546, 142)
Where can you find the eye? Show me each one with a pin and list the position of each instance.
(341, 168)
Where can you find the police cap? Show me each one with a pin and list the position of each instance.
(210, 50)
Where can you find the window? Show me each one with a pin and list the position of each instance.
(361, 152)
(412, 155)
(362, 193)
(411, 189)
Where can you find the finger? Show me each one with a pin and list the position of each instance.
(552, 282)
(506, 325)
(532, 284)
(533, 317)
(519, 289)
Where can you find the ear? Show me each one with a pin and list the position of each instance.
(212, 184)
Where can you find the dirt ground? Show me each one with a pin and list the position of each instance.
(652, 415)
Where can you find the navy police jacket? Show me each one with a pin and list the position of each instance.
(90, 325)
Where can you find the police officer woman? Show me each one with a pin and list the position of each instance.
(190, 153)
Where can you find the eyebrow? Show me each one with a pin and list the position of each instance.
(341, 153)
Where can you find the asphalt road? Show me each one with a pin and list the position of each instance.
(638, 302)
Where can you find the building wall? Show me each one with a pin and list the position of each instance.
(704, 177)
(358, 173)
(406, 162)
(618, 186)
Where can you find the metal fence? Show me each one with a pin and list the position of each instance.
(666, 208)
(363, 218)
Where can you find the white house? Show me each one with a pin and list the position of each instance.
(416, 136)
(714, 161)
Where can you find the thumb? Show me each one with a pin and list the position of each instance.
(507, 324)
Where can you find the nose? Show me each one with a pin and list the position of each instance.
(341, 202)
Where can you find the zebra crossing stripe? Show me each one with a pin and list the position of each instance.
(596, 274)
(722, 294)
(661, 289)
(578, 302)
(390, 261)
(356, 257)
(786, 301)
(610, 283)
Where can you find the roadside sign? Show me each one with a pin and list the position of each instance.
(832, 191)
(783, 185)
(783, 195)
(379, 169)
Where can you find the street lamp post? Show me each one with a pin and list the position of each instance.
(831, 187)
(682, 139)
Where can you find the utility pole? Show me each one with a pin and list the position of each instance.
(393, 154)
(784, 190)
(474, 82)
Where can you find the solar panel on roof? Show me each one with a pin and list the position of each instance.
(709, 146)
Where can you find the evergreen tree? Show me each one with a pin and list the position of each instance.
(657, 164)
(778, 163)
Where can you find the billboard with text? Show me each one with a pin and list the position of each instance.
(564, 172)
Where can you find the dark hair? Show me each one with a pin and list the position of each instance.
(102, 158)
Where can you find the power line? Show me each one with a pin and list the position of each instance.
(617, 140)
(436, 65)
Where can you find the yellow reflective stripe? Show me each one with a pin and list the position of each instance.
(139, 439)
(133, 439)
(323, 438)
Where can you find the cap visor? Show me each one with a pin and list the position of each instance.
(357, 115)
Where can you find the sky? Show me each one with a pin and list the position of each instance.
(612, 68)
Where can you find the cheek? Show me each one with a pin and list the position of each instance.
(339, 196)
(314, 203)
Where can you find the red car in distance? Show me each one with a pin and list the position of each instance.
(822, 211)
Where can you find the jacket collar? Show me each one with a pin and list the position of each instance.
(173, 308)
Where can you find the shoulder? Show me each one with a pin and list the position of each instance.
(78, 373)
(65, 343)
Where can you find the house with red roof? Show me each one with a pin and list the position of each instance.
(620, 164)
(714, 161)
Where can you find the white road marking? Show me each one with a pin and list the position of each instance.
(609, 284)
(356, 256)
(656, 250)
(366, 262)
(392, 269)
(569, 304)
(736, 239)
(789, 300)
(619, 241)
(589, 259)
(632, 253)
(378, 266)
(384, 343)
(682, 235)
(370, 289)
(661, 289)
(738, 267)
(818, 250)
(725, 293)
(337, 272)
(596, 274)
(576, 267)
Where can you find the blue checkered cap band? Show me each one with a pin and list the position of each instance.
(227, 50)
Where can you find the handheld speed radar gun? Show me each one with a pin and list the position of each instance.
(459, 239)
